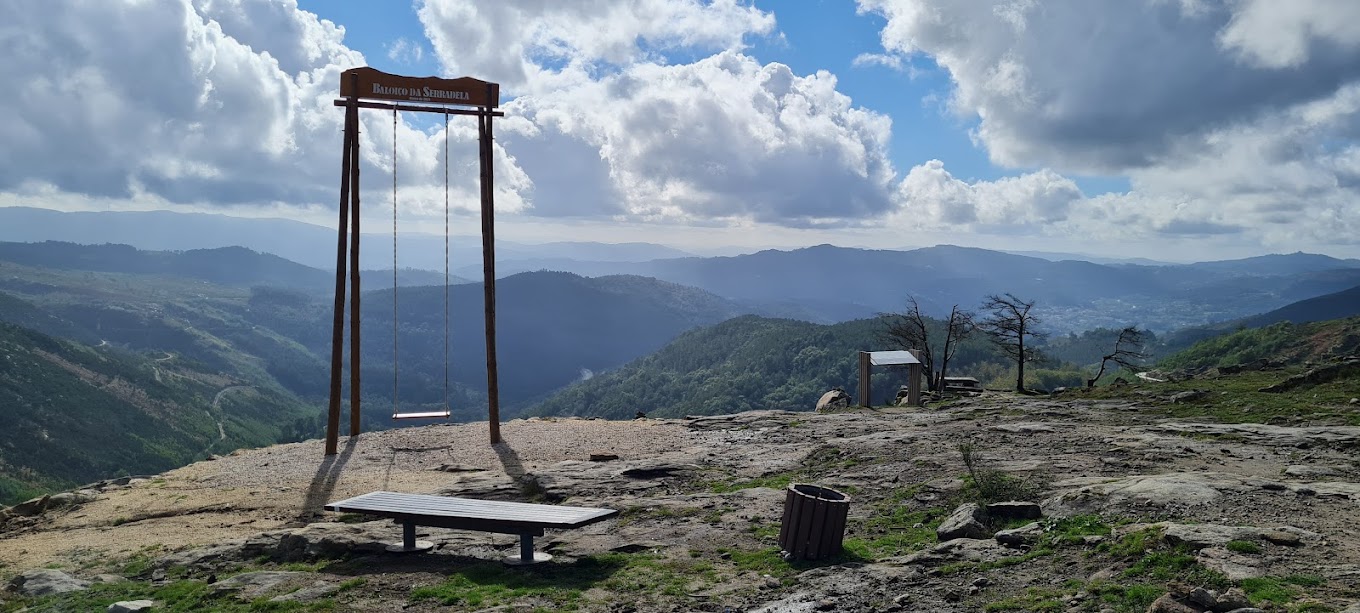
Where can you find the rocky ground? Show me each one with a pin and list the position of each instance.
(1137, 507)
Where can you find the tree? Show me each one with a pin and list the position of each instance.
(1009, 323)
(1128, 349)
(959, 326)
(911, 329)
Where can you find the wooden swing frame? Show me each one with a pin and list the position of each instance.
(464, 96)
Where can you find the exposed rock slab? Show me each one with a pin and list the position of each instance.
(45, 582)
(1267, 434)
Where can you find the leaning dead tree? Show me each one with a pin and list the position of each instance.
(1128, 350)
(912, 329)
(1010, 323)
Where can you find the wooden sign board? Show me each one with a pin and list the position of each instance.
(373, 83)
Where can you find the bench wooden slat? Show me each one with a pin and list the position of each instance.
(486, 515)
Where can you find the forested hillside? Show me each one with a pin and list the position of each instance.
(1283, 342)
(73, 413)
(753, 362)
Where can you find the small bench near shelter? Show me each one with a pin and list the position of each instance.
(524, 519)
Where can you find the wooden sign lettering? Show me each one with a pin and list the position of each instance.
(374, 83)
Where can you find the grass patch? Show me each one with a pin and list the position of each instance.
(778, 482)
(1278, 590)
(1237, 399)
(1243, 547)
(178, 596)
(633, 578)
(1134, 598)
(767, 561)
(1034, 599)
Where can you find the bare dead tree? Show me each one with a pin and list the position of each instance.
(1009, 323)
(909, 330)
(1128, 350)
(959, 326)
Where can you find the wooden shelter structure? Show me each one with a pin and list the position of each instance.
(869, 359)
(369, 88)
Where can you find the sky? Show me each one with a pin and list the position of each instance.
(1168, 129)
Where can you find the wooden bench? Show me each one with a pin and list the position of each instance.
(523, 519)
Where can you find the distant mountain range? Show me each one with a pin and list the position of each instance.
(305, 243)
(832, 284)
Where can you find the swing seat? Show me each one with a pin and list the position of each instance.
(424, 415)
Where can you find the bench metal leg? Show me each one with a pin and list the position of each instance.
(527, 555)
(409, 543)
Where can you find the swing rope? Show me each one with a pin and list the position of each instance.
(446, 261)
(396, 408)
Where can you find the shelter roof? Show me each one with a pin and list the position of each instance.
(891, 358)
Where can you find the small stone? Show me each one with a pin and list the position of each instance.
(1232, 599)
(826, 604)
(129, 606)
(981, 582)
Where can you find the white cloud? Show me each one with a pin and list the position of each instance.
(930, 195)
(512, 42)
(405, 51)
(1230, 117)
(724, 137)
(225, 102)
(1274, 34)
(606, 127)
(878, 59)
(1103, 89)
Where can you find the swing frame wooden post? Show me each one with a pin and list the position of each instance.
(358, 86)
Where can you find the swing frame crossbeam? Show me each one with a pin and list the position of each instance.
(432, 95)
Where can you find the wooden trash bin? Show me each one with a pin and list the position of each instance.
(814, 522)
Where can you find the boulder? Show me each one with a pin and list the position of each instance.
(29, 508)
(965, 522)
(207, 559)
(1023, 536)
(130, 606)
(1188, 396)
(45, 582)
(1168, 604)
(1014, 509)
(834, 400)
